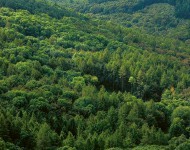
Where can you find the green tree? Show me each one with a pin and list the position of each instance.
(70, 140)
(46, 138)
(132, 82)
(122, 74)
(2, 144)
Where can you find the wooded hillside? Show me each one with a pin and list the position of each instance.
(69, 81)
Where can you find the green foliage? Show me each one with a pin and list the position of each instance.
(152, 147)
(158, 17)
(36, 6)
(70, 82)
(180, 121)
(180, 143)
(46, 138)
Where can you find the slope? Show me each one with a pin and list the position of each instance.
(75, 83)
(160, 17)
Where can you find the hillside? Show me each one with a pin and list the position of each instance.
(158, 17)
(70, 82)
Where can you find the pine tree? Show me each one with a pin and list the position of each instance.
(69, 141)
(122, 74)
(46, 138)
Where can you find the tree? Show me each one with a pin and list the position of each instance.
(122, 74)
(112, 66)
(184, 146)
(78, 83)
(140, 82)
(101, 99)
(84, 105)
(180, 121)
(123, 113)
(132, 81)
(80, 143)
(112, 118)
(182, 8)
(69, 141)
(177, 127)
(176, 141)
(46, 138)
(151, 136)
(2, 144)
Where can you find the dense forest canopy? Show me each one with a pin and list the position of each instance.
(182, 7)
(157, 17)
(38, 6)
(71, 81)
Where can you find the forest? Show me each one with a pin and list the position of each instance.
(182, 7)
(74, 79)
(156, 17)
